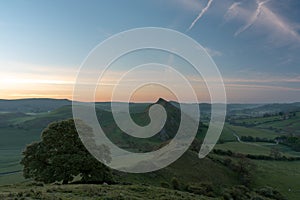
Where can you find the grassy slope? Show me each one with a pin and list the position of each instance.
(280, 175)
(188, 169)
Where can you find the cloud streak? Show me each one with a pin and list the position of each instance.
(203, 11)
(188, 5)
(280, 31)
(232, 11)
(253, 18)
(279, 25)
(265, 87)
(213, 52)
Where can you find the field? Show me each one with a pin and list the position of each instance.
(281, 175)
(281, 124)
(256, 148)
(12, 143)
(254, 132)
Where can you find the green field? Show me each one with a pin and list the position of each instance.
(285, 124)
(256, 148)
(283, 176)
(254, 132)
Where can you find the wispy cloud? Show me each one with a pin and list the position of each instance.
(263, 19)
(186, 5)
(280, 26)
(254, 16)
(203, 11)
(256, 86)
(232, 11)
(265, 80)
(213, 52)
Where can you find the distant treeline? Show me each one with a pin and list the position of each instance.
(255, 157)
(256, 139)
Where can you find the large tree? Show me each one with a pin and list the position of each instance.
(61, 156)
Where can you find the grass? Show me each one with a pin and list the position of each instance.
(256, 148)
(12, 179)
(285, 126)
(276, 123)
(258, 120)
(244, 148)
(227, 134)
(280, 175)
(105, 192)
(12, 143)
(254, 132)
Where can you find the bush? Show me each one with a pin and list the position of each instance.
(227, 162)
(270, 193)
(165, 185)
(206, 189)
(175, 183)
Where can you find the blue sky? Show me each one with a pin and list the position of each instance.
(255, 44)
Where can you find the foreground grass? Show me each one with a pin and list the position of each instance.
(29, 191)
(283, 176)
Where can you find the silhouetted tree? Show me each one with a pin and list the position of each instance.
(245, 169)
(61, 156)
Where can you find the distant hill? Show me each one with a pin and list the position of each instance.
(268, 108)
(32, 105)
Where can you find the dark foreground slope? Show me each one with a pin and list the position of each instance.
(108, 192)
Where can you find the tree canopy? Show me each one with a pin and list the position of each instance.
(61, 156)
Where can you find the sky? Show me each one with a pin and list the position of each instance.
(254, 43)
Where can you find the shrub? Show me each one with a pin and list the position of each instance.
(175, 183)
(165, 185)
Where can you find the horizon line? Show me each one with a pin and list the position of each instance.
(38, 98)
